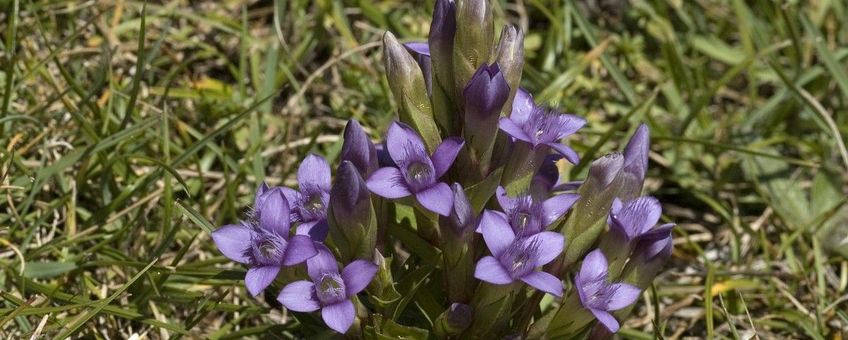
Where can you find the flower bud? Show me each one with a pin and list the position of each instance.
(442, 31)
(474, 38)
(590, 211)
(649, 258)
(422, 54)
(353, 226)
(635, 163)
(409, 90)
(461, 218)
(382, 288)
(454, 320)
(484, 96)
(358, 149)
(510, 58)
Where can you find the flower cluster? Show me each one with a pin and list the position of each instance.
(459, 222)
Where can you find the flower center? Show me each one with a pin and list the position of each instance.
(520, 257)
(315, 205)
(521, 221)
(418, 172)
(331, 288)
(268, 249)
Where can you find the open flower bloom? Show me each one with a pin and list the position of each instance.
(516, 258)
(329, 290)
(263, 243)
(417, 173)
(636, 218)
(309, 205)
(599, 296)
(539, 126)
(528, 217)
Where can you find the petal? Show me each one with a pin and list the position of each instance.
(291, 195)
(606, 319)
(316, 230)
(485, 93)
(623, 295)
(437, 198)
(274, 213)
(357, 275)
(233, 240)
(263, 188)
(490, 270)
(566, 152)
(420, 47)
(445, 154)
(339, 316)
(399, 137)
(550, 246)
(299, 296)
(388, 183)
(545, 282)
(522, 106)
(496, 232)
(639, 215)
(358, 149)
(594, 265)
(554, 207)
(314, 171)
(636, 152)
(299, 249)
(511, 128)
(507, 203)
(259, 278)
(323, 262)
(569, 124)
(616, 205)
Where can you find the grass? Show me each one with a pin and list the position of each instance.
(129, 131)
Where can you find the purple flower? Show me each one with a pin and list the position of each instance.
(329, 290)
(358, 149)
(540, 126)
(262, 243)
(516, 258)
(635, 163)
(599, 296)
(527, 216)
(636, 218)
(485, 93)
(417, 173)
(309, 205)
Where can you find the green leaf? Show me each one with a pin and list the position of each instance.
(46, 270)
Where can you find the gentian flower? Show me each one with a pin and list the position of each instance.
(417, 172)
(635, 163)
(599, 296)
(329, 290)
(485, 95)
(358, 149)
(527, 216)
(309, 205)
(263, 243)
(540, 126)
(636, 218)
(516, 258)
